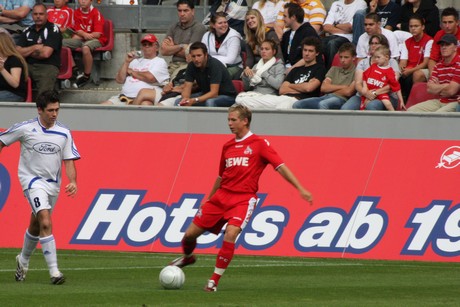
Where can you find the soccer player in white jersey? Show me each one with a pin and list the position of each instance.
(233, 197)
(45, 143)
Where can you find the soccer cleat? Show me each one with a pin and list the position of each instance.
(210, 286)
(82, 80)
(183, 261)
(21, 270)
(58, 280)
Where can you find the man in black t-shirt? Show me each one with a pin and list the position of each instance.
(301, 82)
(212, 78)
(40, 44)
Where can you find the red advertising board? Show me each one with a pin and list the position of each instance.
(373, 198)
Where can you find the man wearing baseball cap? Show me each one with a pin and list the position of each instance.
(142, 69)
(445, 79)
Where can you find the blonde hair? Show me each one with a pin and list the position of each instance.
(384, 50)
(7, 48)
(255, 38)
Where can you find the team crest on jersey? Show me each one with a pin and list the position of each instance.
(248, 151)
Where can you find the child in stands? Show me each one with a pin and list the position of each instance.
(379, 75)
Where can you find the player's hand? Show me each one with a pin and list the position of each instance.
(305, 194)
(71, 189)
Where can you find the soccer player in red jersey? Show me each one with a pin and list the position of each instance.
(233, 197)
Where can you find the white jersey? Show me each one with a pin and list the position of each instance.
(42, 152)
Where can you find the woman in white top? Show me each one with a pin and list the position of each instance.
(269, 10)
(224, 44)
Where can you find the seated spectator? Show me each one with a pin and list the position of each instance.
(13, 71)
(314, 13)
(449, 25)
(372, 26)
(377, 76)
(266, 76)
(427, 9)
(62, 16)
(298, 30)
(234, 10)
(214, 83)
(88, 35)
(339, 84)
(444, 80)
(141, 71)
(338, 25)
(40, 45)
(388, 11)
(414, 56)
(224, 44)
(354, 102)
(269, 10)
(300, 83)
(257, 32)
(181, 34)
(16, 15)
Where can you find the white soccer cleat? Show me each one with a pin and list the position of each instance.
(21, 270)
(59, 279)
(183, 261)
(210, 286)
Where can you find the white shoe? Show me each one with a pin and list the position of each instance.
(59, 279)
(210, 286)
(21, 270)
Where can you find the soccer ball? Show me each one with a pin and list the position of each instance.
(172, 277)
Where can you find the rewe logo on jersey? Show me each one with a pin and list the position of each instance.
(237, 161)
(5, 184)
(450, 158)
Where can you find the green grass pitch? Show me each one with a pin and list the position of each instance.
(131, 279)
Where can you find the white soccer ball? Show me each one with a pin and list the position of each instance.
(172, 277)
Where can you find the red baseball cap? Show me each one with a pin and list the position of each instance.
(149, 38)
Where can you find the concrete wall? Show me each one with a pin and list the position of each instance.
(359, 124)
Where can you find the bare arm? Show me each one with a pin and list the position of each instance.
(213, 92)
(292, 179)
(16, 14)
(71, 172)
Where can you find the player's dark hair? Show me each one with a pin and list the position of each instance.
(348, 47)
(293, 9)
(417, 17)
(45, 98)
(450, 11)
(374, 16)
(312, 41)
(244, 112)
(186, 2)
(199, 45)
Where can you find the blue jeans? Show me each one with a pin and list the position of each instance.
(328, 101)
(358, 25)
(7, 96)
(219, 101)
(458, 108)
(375, 105)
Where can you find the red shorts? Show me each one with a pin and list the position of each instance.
(223, 207)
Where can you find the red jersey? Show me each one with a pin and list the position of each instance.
(445, 73)
(62, 17)
(436, 51)
(243, 161)
(416, 50)
(90, 22)
(377, 77)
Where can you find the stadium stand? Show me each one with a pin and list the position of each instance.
(65, 71)
(418, 94)
(238, 84)
(29, 90)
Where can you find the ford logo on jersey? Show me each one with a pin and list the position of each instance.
(46, 148)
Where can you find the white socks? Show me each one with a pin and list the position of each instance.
(28, 248)
(49, 252)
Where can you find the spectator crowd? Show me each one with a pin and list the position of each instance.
(277, 54)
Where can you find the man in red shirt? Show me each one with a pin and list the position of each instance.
(89, 35)
(233, 197)
(449, 25)
(444, 81)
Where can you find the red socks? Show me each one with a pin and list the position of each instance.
(224, 257)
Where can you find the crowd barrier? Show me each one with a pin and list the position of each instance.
(375, 197)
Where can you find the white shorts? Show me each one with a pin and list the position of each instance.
(40, 200)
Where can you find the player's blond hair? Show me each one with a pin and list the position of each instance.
(243, 111)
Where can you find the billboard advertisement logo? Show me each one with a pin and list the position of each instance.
(450, 158)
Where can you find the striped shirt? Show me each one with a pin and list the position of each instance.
(445, 73)
(315, 13)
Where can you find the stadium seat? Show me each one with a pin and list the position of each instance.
(418, 94)
(65, 71)
(238, 84)
(29, 90)
(336, 60)
(103, 53)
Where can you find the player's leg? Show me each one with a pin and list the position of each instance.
(31, 238)
(224, 256)
(188, 246)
